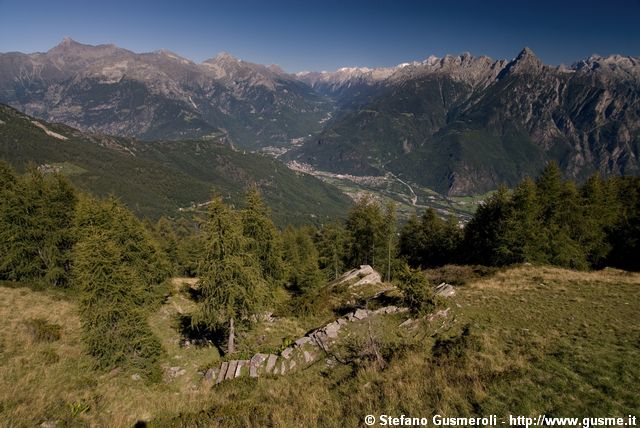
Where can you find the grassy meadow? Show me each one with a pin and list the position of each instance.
(524, 340)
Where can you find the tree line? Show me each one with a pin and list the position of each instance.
(118, 266)
(547, 221)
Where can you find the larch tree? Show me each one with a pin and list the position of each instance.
(262, 237)
(116, 269)
(231, 283)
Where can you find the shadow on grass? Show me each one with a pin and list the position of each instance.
(198, 334)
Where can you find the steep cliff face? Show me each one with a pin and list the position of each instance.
(465, 125)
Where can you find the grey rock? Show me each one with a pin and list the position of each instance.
(407, 322)
(210, 374)
(241, 364)
(135, 376)
(231, 370)
(445, 290)
(371, 278)
(331, 330)
(174, 372)
(360, 314)
(223, 371)
(271, 363)
(287, 353)
(258, 359)
(308, 357)
(302, 341)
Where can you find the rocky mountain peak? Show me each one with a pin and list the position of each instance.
(67, 44)
(526, 62)
(224, 57)
(276, 69)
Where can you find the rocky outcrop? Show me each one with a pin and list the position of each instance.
(357, 277)
(445, 290)
(304, 351)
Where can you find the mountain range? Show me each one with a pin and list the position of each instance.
(171, 178)
(459, 124)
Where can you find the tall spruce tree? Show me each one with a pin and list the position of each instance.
(524, 229)
(430, 241)
(231, 282)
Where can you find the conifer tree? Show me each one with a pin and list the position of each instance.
(430, 241)
(524, 233)
(389, 244)
(116, 273)
(330, 241)
(485, 237)
(301, 256)
(262, 237)
(230, 277)
(36, 213)
(368, 234)
(600, 213)
(12, 215)
(167, 242)
(412, 242)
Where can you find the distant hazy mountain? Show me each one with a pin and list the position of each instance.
(458, 124)
(160, 95)
(159, 177)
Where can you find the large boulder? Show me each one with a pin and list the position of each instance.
(357, 277)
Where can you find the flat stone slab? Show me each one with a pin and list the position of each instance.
(308, 357)
(302, 341)
(271, 363)
(210, 374)
(445, 290)
(331, 330)
(372, 278)
(287, 353)
(360, 314)
(223, 371)
(241, 364)
(231, 370)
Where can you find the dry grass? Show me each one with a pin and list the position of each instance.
(55, 381)
(541, 340)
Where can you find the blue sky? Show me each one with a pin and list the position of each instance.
(324, 35)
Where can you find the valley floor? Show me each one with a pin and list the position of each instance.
(525, 341)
